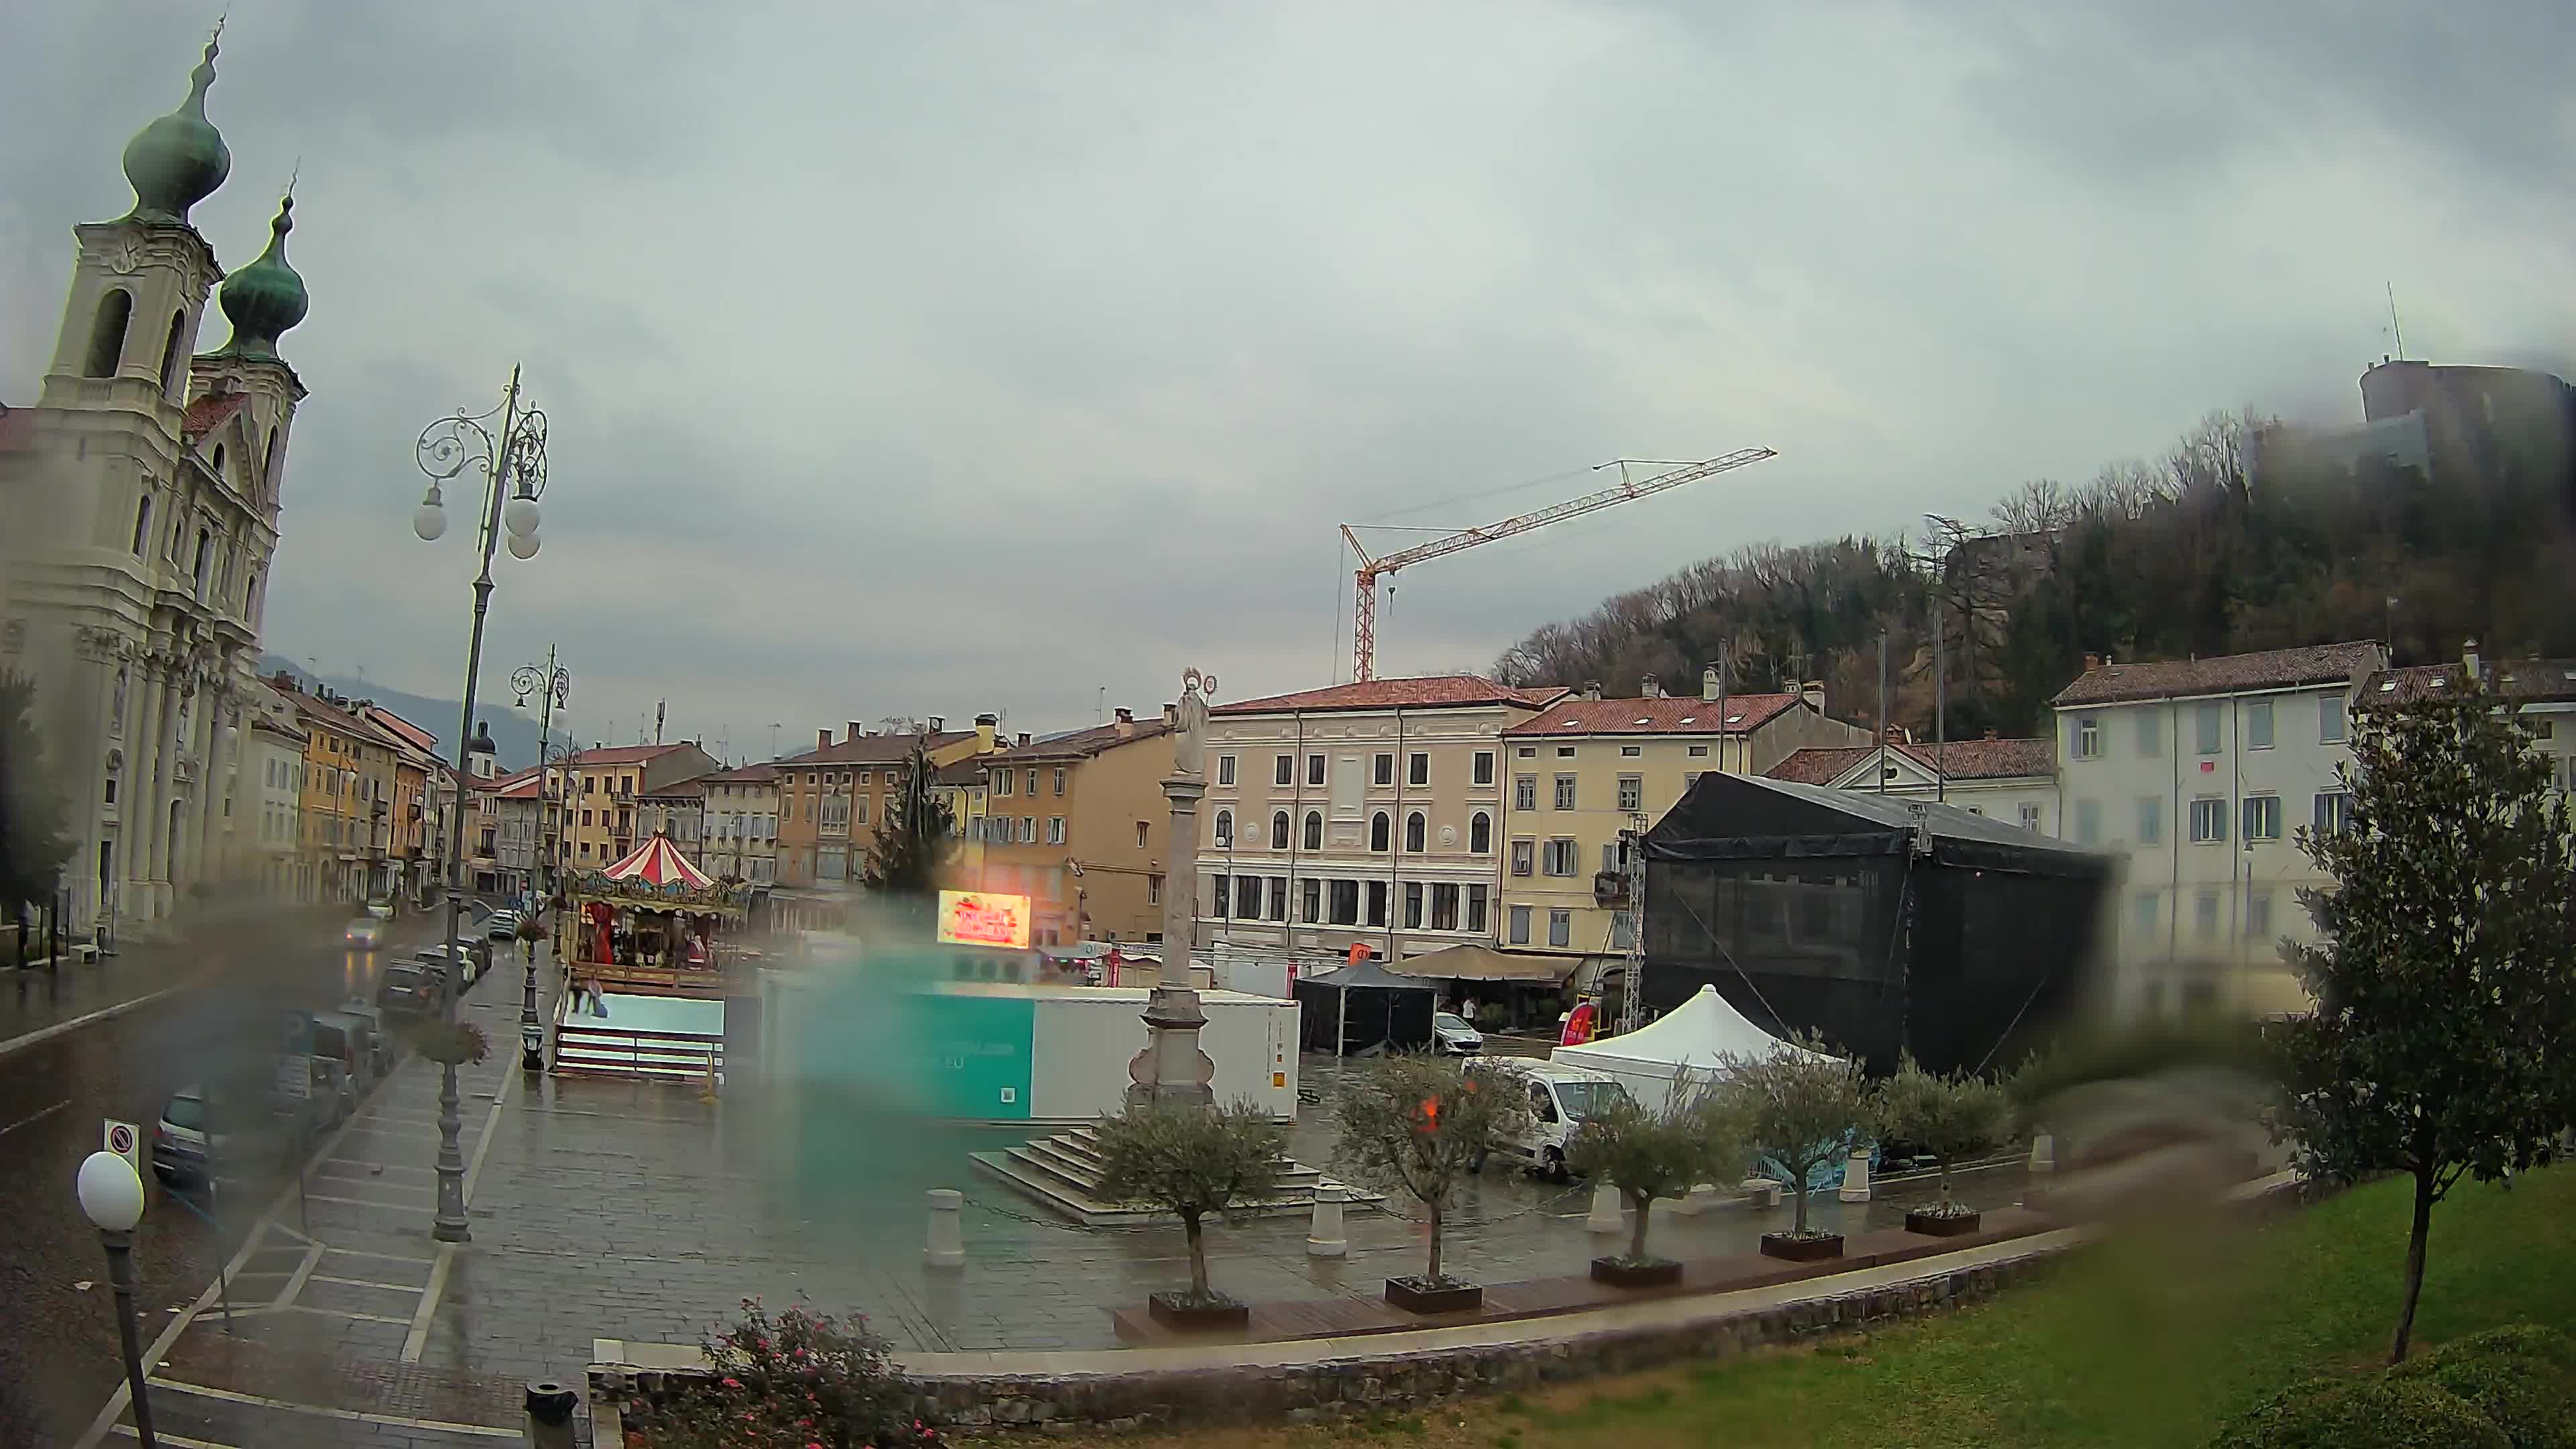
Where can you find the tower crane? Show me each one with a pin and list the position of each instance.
(1364, 609)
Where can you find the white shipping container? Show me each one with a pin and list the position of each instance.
(1086, 1036)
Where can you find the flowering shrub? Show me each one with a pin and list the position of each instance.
(451, 1043)
(799, 1380)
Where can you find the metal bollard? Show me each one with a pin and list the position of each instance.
(2043, 1153)
(1605, 1216)
(1856, 1178)
(947, 1234)
(550, 1409)
(1324, 1238)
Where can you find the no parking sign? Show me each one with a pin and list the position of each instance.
(125, 1142)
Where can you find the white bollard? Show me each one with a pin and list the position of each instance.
(1606, 1216)
(1324, 1239)
(1856, 1178)
(947, 1234)
(1760, 1193)
(1697, 1201)
(2043, 1153)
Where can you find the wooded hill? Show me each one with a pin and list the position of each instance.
(2189, 554)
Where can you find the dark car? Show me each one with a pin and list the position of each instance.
(409, 988)
(186, 1153)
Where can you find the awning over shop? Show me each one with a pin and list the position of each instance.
(1484, 963)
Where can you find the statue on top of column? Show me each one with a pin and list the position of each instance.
(1189, 739)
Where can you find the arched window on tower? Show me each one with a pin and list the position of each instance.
(205, 552)
(267, 488)
(142, 525)
(219, 460)
(170, 353)
(107, 333)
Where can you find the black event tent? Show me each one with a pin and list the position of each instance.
(1882, 923)
(1367, 1006)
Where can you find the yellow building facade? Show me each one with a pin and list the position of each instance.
(1079, 824)
(1583, 770)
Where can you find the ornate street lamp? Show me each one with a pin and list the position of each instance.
(513, 464)
(556, 685)
(111, 1197)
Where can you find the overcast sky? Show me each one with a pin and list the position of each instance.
(912, 359)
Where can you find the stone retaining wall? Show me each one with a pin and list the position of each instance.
(1400, 1379)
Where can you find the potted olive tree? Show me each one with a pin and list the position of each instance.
(1646, 1153)
(1802, 1108)
(1417, 1124)
(1189, 1161)
(1951, 1118)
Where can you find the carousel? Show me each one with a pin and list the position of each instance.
(652, 911)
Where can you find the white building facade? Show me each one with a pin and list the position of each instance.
(267, 820)
(1365, 814)
(2198, 774)
(139, 501)
(2009, 780)
(742, 824)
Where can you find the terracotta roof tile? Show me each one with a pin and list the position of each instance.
(623, 754)
(210, 412)
(2516, 679)
(968, 771)
(1427, 692)
(1966, 760)
(745, 775)
(1662, 716)
(1079, 744)
(2228, 674)
(874, 749)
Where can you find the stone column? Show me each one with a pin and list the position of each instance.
(1181, 883)
(147, 804)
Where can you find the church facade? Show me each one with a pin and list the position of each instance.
(140, 499)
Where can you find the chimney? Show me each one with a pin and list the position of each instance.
(856, 731)
(988, 730)
(1171, 716)
(939, 724)
(1024, 739)
(2092, 662)
(2469, 660)
(1708, 683)
(1990, 734)
(1592, 689)
(822, 739)
(1651, 687)
(1813, 692)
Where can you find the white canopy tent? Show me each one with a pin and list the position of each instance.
(1693, 1039)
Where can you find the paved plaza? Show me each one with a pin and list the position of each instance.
(644, 1212)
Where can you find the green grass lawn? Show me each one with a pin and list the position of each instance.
(2146, 1340)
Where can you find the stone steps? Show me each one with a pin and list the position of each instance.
(1063, 1173)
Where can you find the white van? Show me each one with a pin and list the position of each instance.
(1560, 1097)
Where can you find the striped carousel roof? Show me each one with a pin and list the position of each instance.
(659, 863)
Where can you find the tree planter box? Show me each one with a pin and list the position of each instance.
(1620, 1273)
(1190, 1315)
(1415, 1296)
(1939, 1225)
(1802, 1250)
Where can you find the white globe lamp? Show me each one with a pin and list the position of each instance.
(520, 517)
(430, 519)
(111, 1195)
(523, 545)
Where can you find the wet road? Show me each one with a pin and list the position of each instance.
(59, 1358)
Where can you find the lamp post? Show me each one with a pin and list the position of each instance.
(556, 686)
(515, 459)
(111, 1196)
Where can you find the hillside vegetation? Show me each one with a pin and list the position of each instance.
(2188, 554)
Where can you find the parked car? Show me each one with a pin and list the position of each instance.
(185, 1154)
(379, 1040)
(468, 963)
(1455, 1037)
(410, 989)
(366, 932)
(1560, 1098)
(382, 908)
(502, 926)
(352, 1038)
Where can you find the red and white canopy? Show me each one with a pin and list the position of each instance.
(658, 863)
